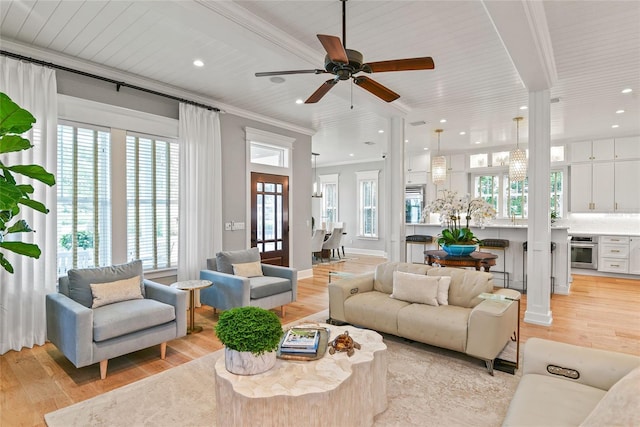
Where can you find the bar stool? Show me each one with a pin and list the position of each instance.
(416, 239)
(498, 245)
(524, 267)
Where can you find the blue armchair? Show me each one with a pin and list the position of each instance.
(87, 332)
(276, 286)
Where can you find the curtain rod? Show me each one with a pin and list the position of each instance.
(105, 79)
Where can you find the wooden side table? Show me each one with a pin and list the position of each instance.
(191, 286)
(476, 259)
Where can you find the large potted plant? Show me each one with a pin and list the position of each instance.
(14, 121)
(251, 336)
(455, 239)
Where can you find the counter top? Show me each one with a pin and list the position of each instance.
(601, 233)
(525, 226)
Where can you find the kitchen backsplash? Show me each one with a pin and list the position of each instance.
(603, 223)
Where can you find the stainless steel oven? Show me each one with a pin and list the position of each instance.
(584, 252)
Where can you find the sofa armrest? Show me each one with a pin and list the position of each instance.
(70, 328)
(492, 323)
(171, 296)
(228, 291)
(597, 368)
(341, 290)
(285, 273)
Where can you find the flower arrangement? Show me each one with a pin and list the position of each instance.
(452, 208)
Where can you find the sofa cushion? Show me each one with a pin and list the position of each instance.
(80, 279)
(442, 326)
(114, 320)
(465, 285)
(248, 269)
(226, 259)
(541, 400)
(112, 292)
(415, 288)
(620, 405)
(265, 286)
(383, 278)
(375, 310)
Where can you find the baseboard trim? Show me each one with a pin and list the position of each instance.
(305, 274)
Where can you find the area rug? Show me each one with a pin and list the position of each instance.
(426, 386)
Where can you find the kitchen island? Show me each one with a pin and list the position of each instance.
(512, 262)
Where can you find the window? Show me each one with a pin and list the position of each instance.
(487, 187)
(478, 160)
(268, 155)
(152, 201)
(367, 203)
(268, 149)
(84, 196)
(517, 197)
(329, 188)
(557, 193)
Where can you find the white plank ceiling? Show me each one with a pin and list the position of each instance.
(475, 85)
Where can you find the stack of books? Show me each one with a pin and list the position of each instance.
(300, 341)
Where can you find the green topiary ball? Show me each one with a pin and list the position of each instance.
(251, 329)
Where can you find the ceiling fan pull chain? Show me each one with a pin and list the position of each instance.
(351, 94)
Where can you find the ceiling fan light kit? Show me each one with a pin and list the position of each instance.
(345, 63)
(517, 158)
(439, 165)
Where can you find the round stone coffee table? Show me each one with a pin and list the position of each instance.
(333, 390)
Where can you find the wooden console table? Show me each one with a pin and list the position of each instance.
(311, 393)
(476, 259)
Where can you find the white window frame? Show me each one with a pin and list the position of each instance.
(361, 178)
(325, 182)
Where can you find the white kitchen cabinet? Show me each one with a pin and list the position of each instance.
(634, 255)
(627, 148)
(627, 186)
(417, 162)
(417, 177)
(613, 254)
(592, 187)
(596, 150)
(456, 176)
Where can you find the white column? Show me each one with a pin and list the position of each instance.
(394, 186)
(538, 309)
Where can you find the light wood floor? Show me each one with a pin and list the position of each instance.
(600, 312)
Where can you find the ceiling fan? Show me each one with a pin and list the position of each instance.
(345, 63)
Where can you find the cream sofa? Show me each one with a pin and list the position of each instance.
(567, 385)
(478, 327)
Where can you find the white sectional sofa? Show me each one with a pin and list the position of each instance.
(478, 327)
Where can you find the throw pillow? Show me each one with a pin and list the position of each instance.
(620, 405)
(415, 288)
(226, 259)
(80, 279)
(111, 292)
(248, 269)
(443, 289)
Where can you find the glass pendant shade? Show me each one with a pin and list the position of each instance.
(439, 170)
(517, 165)
(315, 193)
(517, 158)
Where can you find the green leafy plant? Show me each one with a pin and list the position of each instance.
(251, 329)
(14, 121)
(457, 236)
(84, 240)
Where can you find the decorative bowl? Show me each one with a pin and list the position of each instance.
(459, 250)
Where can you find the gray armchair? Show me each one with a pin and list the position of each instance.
(277, 286)
(87, 335)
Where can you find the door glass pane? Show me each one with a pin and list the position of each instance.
(279, 245)
(269, 246)
(269, 217)
(279, 215)
(269, 188)
(279, 188)
(259, 187)
(260, 247)
(259, 217)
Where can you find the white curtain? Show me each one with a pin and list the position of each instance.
(22, 294)
(200, 212)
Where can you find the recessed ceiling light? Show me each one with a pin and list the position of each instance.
(277, 79)
(381, 131)
(299, 101)
(477, 142)
(198, 63)
(627, 90)
(619, 111)
(443, 120)
(426, 148)
(351, 154)
(615, 126)
(463, 133)
(406, 141)
(524, 107)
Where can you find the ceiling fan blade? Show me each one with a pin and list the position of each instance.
(334, 48)
(409, 64)
(321, 91)
(376, 88)
(282, 73)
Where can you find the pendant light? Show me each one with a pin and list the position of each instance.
(517, 158)
(316, 186)
(438, 165)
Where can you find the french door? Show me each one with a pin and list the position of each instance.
(270, 217)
